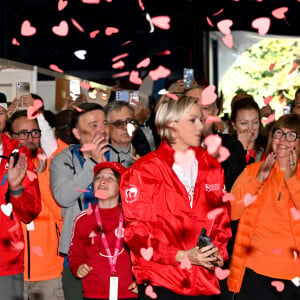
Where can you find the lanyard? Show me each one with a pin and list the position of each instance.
(112, 259)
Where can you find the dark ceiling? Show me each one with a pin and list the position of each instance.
(183, 39)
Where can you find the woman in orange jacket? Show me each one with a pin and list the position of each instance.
(265, 262)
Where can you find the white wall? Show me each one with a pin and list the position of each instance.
(47, 90)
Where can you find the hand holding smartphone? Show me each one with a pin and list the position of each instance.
(188, 78)
(22, 89)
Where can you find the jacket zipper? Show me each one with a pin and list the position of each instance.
(58, 238)
(28, 251)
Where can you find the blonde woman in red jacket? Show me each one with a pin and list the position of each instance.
(267, 202)
(166, 201)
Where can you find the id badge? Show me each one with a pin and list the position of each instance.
(30, 226)
(113, 288)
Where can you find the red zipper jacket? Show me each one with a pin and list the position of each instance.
(158, 214)
(24, 208)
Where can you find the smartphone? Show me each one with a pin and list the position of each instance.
(122, 96)
(22, 89)
(134, 96)
(188, 77)
(287, 109)
(74, 89)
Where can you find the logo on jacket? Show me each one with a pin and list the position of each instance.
(131, 193)
(212, 187)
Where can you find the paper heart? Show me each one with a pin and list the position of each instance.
(130, 129)
(141, 5)
(62, 4)
(162, 92)
(6, 209)
(32, 111)
(150, 293)
(279, 13)
(37, 250)
(211, 215)
(80, 54)
(172, 96)
(118, 65)
(119, 57)
(228, 40)
(62, 29)
(134, 78)
(31, 175)
(209, 22)
(218, 12)
(144, 63)
(90, 1)
(77, 108)
(101, 194)
(221, 274)
(111, 30)
(212, 143)
(81, 190)
(295, 213)
(42, 156)
(27, 29)
(296, 280)
(271, 68)
(147, 253)
(76, 24)
(224, 26)
(184, 159)
(85, 85)
(125, 43)
(262, 24)
(56, 68)
(89, 210)
(166, 52)
(14, 227)
(162, 22)
(208, 95)
(121, 74)
(18, 245)
(268, 99)
(94, 33)
(212, 119)
(223, 154)
(279, 285)
(88, 147)
(185, 263)
(269, 119)
(159, 72)
(228, 197)
(15, 42)
(248, 199)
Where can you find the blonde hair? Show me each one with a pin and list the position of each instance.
(172, 111)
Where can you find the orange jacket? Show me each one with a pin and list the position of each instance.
(271, 189)
(44, 261)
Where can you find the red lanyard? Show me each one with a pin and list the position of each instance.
(112, 259)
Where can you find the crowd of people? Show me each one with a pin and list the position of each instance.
(128, 202)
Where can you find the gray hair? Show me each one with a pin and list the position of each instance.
(116, 106)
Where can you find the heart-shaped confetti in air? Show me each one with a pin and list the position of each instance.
(144, 63)
(15, 42)
(212, 119)
(18, 245)
(62, 29)
(134, 78)
(89, 210)
(77, 108)
(224, 153)
(130, 129)
(27, 29)
(159, 72)
(184, 159)
(268, 99)
(111, 30)
(55, 68)
(249, 199)
(85, 85)
(279, 285)
(42, 156)
(146, 253)
(6, 209)
(81, 190)
(90, 1)
(162, 22)
(218, 12)
(228, 40)
(77, 25)
(271, 67)
(37, 250)
(118, 65)
(279, 13)
(101, 194)
(88, 147)
(150, 293)
(125, 43)
(61, 5)
(211, 215)
(94, 33)
(80, 54)
(212, 143)
(172, 96)
(92, 236)
(121, 74)
(262, 25)
(31, 175)
(221, 274)
(224, 26)
(141, 5)
(209, 22)
(162, 92)
(208, 95)
(296, 280)
(185, 263)
(32, 111)
(295, 213)
(166, 52)
(228, 197)
(269, 119)
(123, 55)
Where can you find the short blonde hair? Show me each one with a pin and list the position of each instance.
(172, 111)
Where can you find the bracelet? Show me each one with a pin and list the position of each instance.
(17, 192)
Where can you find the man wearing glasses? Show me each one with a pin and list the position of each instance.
(42, 234)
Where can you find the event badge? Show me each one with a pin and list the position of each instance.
(113, 288)
(30, 226)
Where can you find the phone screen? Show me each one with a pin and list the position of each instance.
(188, 77)
(122, 96)
(22, 89)
(74, 89)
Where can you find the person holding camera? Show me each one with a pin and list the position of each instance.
(169, 196)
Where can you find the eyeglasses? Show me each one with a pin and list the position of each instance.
(290, 136)
(120, 123)
(23, 135)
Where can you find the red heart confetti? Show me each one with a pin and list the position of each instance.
(81, 190)
(42, 156)
(55, 68)
(125, 43)
(209, 22)
(61, 5)
(218, 12)
(89, 210)
(146, 253)
(279, 13)
(159, 72)
(144, 63)
(161, 22)
(85, 85)
(262, 24)
(228, 197)
(77, 25)
(111, 30)
(32, 111)
(118, 65)
(172, 96)
(121, 74)
(119, 57)
(223, 154)
(212, 119)
(269, 119)
(211, 215)
(208, 95)
(100, 194)
(134, 78)
(295, 66)
(185, 263)
(271, 68)
(295, 213)
(27, 29)
(221, 274)
(31, 175)
(150, 293)
(37, 250)
(249, 199)
(15, 42)
(77, 108)
(94, 33)
(184, 159)
(90, 1)
(279, 285)
(224, 26)
(18, 245)
(166, 52)
(88, 147)
(62, 29)
(268, 99)
(228, 40)
(212, 143)
(141, 5)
